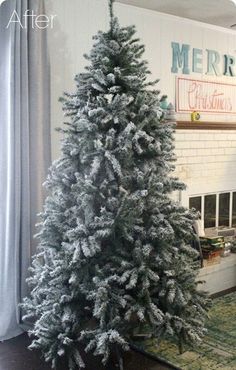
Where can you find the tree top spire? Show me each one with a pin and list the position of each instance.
(111, 2)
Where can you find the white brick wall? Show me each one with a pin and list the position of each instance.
(206, 161)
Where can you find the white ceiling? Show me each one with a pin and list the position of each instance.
(218, 12)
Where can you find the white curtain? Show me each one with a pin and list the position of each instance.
(24, 152)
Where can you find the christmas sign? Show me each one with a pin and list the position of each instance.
(205, 96)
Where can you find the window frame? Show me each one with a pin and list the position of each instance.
(217, 206)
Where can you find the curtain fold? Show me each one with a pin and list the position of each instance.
(24, 152)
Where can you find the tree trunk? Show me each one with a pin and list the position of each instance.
(119, 358)
(181, 347)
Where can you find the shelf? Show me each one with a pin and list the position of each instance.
(219, 277)
(201, 125)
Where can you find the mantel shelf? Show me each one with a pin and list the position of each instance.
(220, 277)
(201, 125)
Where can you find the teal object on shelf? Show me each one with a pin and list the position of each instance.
(164, 104)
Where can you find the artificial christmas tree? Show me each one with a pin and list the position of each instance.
(113, 253)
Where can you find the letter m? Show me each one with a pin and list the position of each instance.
(180, 58)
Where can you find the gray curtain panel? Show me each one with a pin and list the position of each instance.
(24, 152)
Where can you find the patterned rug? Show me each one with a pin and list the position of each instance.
(218, 350)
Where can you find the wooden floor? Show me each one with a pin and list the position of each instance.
(14, 355)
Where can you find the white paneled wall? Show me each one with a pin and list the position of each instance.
(206, 159)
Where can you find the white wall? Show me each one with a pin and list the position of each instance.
(206, 159)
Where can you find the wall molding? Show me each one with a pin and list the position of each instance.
(202, 125)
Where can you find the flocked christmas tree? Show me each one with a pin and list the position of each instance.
(114, 252)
